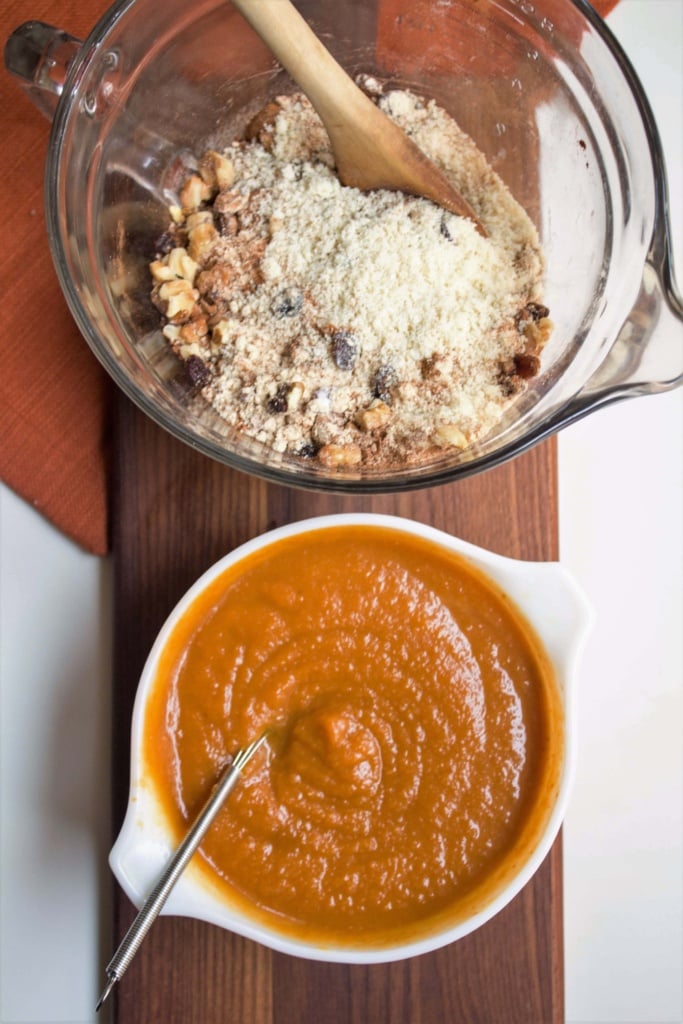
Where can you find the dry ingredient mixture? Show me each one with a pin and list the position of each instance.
(351, 328)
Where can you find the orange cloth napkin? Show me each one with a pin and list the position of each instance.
(54, 396)
(53, 392)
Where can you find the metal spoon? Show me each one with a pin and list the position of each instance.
(370, 150)
(150, 909)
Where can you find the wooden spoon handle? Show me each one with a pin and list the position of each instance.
(370, 150)
(333, 94)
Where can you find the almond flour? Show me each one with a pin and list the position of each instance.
(350, 327)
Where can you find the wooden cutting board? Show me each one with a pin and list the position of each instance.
(174, 513)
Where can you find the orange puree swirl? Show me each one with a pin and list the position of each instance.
(416, 743)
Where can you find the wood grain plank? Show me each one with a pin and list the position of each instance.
(174, 513)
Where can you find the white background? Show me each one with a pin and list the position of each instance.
(621, 534)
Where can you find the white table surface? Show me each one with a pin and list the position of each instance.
(621, 534)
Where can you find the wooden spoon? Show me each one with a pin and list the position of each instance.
(369, 149)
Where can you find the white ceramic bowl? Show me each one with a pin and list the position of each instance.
(543, 591)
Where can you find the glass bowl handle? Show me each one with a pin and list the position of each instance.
(39, 56)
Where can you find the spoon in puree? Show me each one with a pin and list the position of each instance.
(370, 150)
(152, 906)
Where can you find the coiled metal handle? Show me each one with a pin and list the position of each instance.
(152, 906)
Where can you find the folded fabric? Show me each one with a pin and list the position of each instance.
(54, 396)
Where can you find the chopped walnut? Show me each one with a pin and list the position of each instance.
(228, 204)
(371, 86)
(194, 192)
(238, 272)
(216, 283)
(448, 435)
(161, 271)
(172, 333)
(179, 297)
(200, 217)
(229, 225)
(182, 264)
(262, 125)
(294, 396)
(216, 170)
(221, 333)
(188, 349)
(194, 331)
(201, 239)
(534, 325)
(375, 416)
(230, 201)
(538, 332)
(335, 456)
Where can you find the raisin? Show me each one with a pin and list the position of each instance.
(197, 371)
(526, 366)
(278, 402)
(344, 350)
(164, 243)
(537, 311)
(532, 313)
(508, 382)
(288, 302)
(383, 380)
(309, 450)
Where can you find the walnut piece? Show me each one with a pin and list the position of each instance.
(375, 416)
(161, 271)
(201, 239)
(262, 125)
(179, 297)
(194, 192)
(216, 170)
(334, 456)
(182, 264)
(538, 332)
(294, 396)
(448, 435)
(195, 331)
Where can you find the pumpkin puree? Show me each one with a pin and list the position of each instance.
(416, 744)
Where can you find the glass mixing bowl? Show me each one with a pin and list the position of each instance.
(543, 88)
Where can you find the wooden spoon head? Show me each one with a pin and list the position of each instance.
(379, 154)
